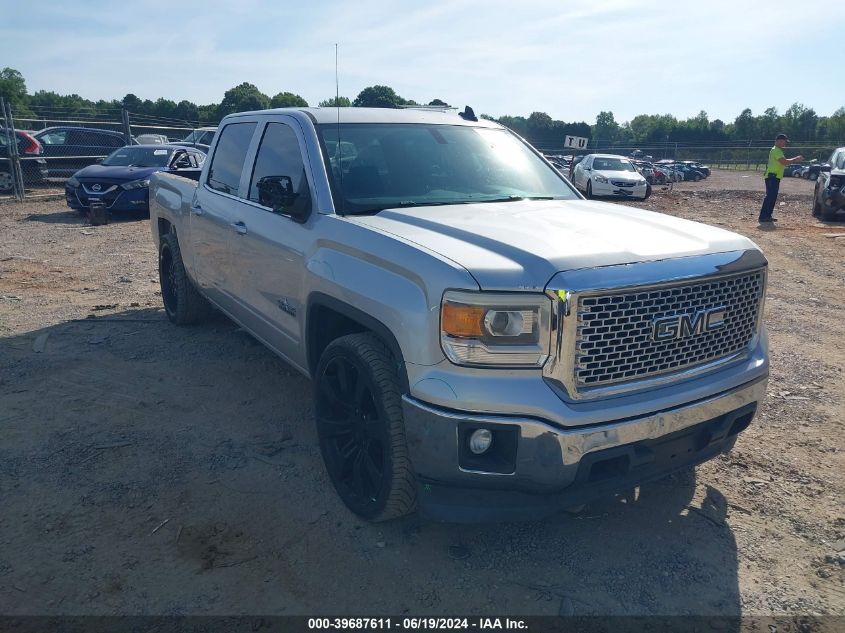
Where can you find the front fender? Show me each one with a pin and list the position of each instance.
(401, 293)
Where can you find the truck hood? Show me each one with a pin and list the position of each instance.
(521, 245)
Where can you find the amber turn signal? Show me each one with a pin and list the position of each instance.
(461, 321)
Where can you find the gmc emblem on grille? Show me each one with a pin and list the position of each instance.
(670, 328)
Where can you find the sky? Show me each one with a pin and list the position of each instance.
(568, 59)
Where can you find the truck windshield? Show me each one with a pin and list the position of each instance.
(138, 157)
(380, 166)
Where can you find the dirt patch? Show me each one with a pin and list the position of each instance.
(146, 468)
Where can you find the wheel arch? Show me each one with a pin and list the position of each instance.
(329, 318)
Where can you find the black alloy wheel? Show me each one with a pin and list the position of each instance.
(361, 429)
(182, 303)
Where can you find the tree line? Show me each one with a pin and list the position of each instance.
(801, 123)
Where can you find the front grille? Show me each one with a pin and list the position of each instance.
(622, 183)
(614, 342)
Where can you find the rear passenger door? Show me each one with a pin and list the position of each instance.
(267, 253)
(213, 212)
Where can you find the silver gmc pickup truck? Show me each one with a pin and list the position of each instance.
(483, 342)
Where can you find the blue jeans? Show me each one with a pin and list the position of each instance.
(772, 188)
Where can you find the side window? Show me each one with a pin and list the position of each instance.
(54, 138)
(207, 138)
(228, 160)
(278, 177)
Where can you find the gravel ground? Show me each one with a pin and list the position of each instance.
(149, 469)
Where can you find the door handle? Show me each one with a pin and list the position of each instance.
(240, 228)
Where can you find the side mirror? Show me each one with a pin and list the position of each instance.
(825, 167)
(277, 193)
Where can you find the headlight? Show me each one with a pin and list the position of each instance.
(136, 184)
(598, 178)
(72, 182)
(506, 330)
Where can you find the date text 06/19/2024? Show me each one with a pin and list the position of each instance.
(417, 624)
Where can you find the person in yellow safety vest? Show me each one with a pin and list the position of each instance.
(774, 173)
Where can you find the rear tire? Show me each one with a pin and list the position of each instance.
(183, 304)
(358, 404)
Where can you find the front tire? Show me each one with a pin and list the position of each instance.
(589, 193)
(183, 304)
(358, 403)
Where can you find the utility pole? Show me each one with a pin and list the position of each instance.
(127, 131)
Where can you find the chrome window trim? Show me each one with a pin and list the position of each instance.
(567, 287)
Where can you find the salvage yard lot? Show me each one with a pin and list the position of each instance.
(150, 469)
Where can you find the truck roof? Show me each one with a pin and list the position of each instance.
(376, 115)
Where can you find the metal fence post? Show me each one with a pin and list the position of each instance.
(127, 130)
(14, 157)
(8, 137)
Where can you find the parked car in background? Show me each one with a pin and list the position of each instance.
(33, 165)
(791, 170)
(660, 176)
(703, 169)
(829, 194)
(69, 149)
(610, 175)
(200, 138)
(812, 171)
(122, 180)
(646, 169)
(689, 173)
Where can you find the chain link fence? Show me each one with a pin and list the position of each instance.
(39, 153)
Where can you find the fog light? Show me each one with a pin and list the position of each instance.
(480, 441)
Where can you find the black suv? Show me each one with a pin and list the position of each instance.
(33, 165)
(829, 195)
(69, 149)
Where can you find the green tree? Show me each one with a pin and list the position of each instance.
(378, 97)
(132, 103)
(13, 90)
(606, 128)
(745, 125)
(335, 102)
(242, 98)
(518, 124)
(768, 124)
(540, 121)
(288, 100)
(438, 102)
